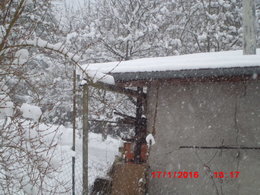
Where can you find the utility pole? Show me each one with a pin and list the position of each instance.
(249, 27)
(85, 140)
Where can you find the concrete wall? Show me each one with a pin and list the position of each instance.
(205, 114)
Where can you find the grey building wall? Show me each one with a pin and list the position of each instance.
(205, 114)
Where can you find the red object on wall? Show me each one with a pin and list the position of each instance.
(144, 152)
(129, 152)
(129, 148)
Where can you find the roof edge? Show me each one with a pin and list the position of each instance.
(186, 74)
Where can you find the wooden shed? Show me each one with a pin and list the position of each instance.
(204, 112)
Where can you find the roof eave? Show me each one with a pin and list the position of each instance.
(127, 77)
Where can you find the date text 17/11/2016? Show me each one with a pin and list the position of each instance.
(186, 174)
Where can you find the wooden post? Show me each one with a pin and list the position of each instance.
(249, 27)
(74, 131)
(85, 140)
(139, 111)
(139, 126)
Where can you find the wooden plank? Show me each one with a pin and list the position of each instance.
(119, 89)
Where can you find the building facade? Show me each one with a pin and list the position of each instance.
(221, 121)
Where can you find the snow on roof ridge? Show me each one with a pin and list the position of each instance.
(210, 60)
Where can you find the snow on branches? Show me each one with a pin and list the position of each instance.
(60, 48)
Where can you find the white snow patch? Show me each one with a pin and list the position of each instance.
(31, 112)
(101, 155)
(255, 76)
(141, 180)
(83, 82)
(101, 77)
(71, 36)
(150, 139)
(22, 56)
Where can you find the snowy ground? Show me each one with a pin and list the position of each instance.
(101, 156)
(101, 152)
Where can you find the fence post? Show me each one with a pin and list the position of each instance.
(74, 131)
(85, 140)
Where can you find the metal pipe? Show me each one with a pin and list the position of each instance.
(249, 27)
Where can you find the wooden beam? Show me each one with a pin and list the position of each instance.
(117, 89)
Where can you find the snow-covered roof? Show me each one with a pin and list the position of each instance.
(226, 63)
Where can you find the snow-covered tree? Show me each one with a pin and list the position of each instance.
(140, 28)
(29, 46)
(110, 30)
